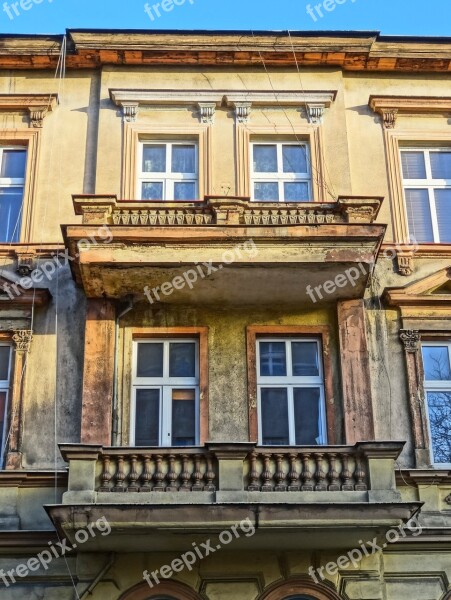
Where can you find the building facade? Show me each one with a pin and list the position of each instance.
(225, 317)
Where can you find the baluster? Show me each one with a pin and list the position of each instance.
(253, 475)
(210, 476)
(346, 476)
(106, 475)
(293, 475)
(172, 475)
(320, 475)
(306, 476)
(267, 475)
(197, 475)
(147, 475)
(120, 476)
(185, 475)
(280, 475)
(158, 476)
(360, 475)
(133, 476)
(334, 481)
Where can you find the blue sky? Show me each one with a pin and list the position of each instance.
(391, 17)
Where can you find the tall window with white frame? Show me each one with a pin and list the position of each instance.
(168, 171)
(165, 407)
(437, 385)
(290, 385)
(280, 172)
(12, 181)
(5, 378)
(427, 190)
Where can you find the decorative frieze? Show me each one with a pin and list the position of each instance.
(411, 340)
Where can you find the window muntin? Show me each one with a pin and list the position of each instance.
(12, 181)
(437, 384)
(5, 377)
(290, 388)
(165, 408)
(280, 172)
(168, 171)
(427, 189)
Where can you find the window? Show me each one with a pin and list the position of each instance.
(290, 388)
(12, 180)
(5, 376)
(166, 393)
(427, 190)
(281, 172)
(437, 384)
(168, 171)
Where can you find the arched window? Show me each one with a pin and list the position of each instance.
(299, 588)
(167, 590)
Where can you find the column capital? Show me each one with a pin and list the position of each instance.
(411, 339)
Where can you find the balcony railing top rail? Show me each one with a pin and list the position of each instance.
(220, 211)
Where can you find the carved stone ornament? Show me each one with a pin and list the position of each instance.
(448, 499)
(411, 339)
(315, 113)
(405, 264)
(243, 111)
(130, 111)
(22, 339)
(207, 112)
(389, 117)
(37, 116)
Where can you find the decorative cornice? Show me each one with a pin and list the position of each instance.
(411, 340)
(22, 339)
(36, 105)
(389, 107)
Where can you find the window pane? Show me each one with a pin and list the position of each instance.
(266, 192)
(185, 190)
(152, 191)
(307, 416)
(13, 164)
(2, 416)
(10, 213)
(294, 159)
(441, 165)
(154, 159)
(183, 418)
(150, 360)
(443, 207)
(296, 192)
(439, 404)
(305, 359)
(436, 363)
(182, 360)
(273, 360)
(183, 159)
(413, 165)
(419, 215)
(265, 159)
(4, 362)
(274, 405)
(147, 427)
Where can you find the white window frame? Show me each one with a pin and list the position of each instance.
(5, 386)
(9, 182)
(290, 382)
(168, 178)
(428, 184)
(435, 386)
(280, 177)
(165, 385)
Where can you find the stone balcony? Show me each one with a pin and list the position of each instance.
(150, 243)
(335, 494)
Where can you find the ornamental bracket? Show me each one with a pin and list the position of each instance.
(22, 339)
(411, 340)
(315, 113)
(207, 112)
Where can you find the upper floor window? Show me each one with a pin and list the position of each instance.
(165, 408)
(437, 385)
(168, 171)
(5, 376)
(427, 188)
(290, 386)
(12, 180)
(280, 172)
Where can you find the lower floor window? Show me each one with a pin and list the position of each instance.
(437, 383)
